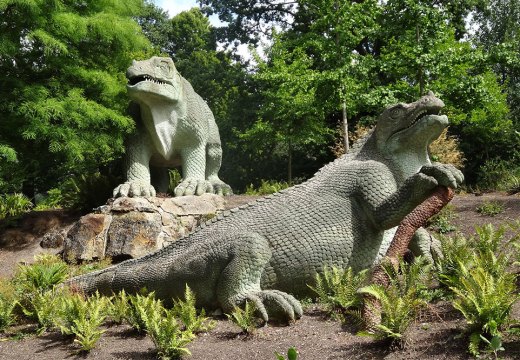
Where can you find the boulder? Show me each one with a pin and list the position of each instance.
(132, 227)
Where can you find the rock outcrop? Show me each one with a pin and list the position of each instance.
(132, 227)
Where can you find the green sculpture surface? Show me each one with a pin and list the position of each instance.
(269, 250)
(175, 128)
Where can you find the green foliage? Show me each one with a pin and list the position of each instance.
(186, 312)
(119, 307)
(8, 302)
(338, 289)
(63, 87)
(266, 187)
(401, 300)
(501, 175)
(490, 208)
(292, 354)
(43, 306)
(141, 307)
(245, 318)
(165, 331)
(87, 191)
(441, 222)
(485, 300)
(12, 205)
(82, 318)
(484, 290)
(175, 178)
(47, 272)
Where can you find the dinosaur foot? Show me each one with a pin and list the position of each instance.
(220, 187)
(134, 189)
(278, 304)
(192, 186)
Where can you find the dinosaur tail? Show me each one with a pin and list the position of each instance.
(110, 280)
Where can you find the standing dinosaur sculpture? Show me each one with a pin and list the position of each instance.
(346, 215)
(175, 127)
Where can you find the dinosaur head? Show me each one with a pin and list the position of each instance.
(153, 79)
(410, 127)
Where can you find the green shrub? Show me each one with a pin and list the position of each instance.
(44, 308)
(82, 318)
(490, 208)
(442, 222)
(266, 187)
(401, 301)
(337, 289)
(187, 313)
(8, 303)
(12, 205)
(165, 331)
(245, 318)
(175, 179)
(85, 192)
(53, 200)
(485, 300)
(484, 292)
(498, 175)
(47, 272)
(141, 306)
(119, 307)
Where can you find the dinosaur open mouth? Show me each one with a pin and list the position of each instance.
(140, 78)
(424, 113)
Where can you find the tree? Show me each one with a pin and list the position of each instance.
(62, 86)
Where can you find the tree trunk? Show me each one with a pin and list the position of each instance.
(345, 127)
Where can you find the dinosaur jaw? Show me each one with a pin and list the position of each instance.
(145, 87)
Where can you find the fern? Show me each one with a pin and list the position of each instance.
(141, 307)
(166, 333)
(187, 313)
(119, 307)
(245, 318)
(47, 272)
(337, 289)
(43, 307)
(401, 300)
(485, 300)
(7, 316)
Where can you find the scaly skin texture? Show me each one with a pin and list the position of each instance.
(175, 127)
(344, 216)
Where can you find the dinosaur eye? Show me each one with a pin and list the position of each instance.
(395, 112)
(164, 67)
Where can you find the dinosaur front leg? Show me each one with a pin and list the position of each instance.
(193, 172)
(137, 169)
(240, 280)
(213, 162)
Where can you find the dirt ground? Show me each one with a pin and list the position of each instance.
(434, 336)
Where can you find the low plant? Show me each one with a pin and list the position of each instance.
(292, 354)
(485, 300)
(245, 318)
(140, 308)
(46, 272)
(82, 318)
(165, 331)
(337, 289)
(401, 301)
(87, 267)
(442, 222)
(12, 205)
(119, 307)
(186, 312)
(483, 289)
(43, 307)
(8, 304)
(490, 208)
(266, 187)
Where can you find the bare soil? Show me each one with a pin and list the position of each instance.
(434, 336)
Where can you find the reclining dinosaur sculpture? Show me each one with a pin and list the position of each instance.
(175, 127)
(268, 251)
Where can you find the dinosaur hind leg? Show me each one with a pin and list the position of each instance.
(240, 280)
